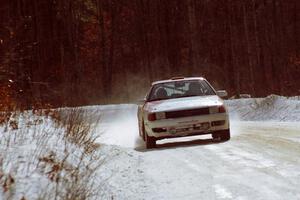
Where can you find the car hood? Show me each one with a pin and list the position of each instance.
(185, 103)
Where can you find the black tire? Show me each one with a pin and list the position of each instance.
(142, 130)
(222, 135)
(150, 141)
(225, 136)
(215, 136)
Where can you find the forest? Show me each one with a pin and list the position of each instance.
(82, 52)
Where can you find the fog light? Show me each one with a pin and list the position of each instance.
(159, 130)
(218, 123)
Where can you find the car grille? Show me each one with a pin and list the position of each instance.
(187, 113)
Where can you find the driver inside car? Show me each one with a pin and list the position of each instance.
(161, 93)
(194, 89)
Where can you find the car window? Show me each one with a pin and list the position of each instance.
(179, 89)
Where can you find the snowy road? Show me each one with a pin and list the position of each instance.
(261, 161)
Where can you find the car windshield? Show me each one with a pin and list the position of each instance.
(179, 89)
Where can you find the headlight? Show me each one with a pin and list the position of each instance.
(161, 115)
(213, 110)
(217, 109)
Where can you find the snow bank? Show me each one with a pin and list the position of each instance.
(271, 108)
(40, 158)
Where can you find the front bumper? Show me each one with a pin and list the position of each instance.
(186, 126)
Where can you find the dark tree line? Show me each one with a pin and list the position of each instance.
(70, 52)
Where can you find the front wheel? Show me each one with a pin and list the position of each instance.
(142, 130)
(223, 135)
(150, 141)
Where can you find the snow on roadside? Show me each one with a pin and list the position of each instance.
(39, 161)
(271, 108)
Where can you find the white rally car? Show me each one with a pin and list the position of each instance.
(182, 107)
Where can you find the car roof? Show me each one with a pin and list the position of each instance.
(175, 79)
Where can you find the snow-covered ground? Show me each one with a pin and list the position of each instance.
(261, 161)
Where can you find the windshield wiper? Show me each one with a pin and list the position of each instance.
(158, 99)
(192, 95)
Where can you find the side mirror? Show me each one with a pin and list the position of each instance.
(222, 93)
